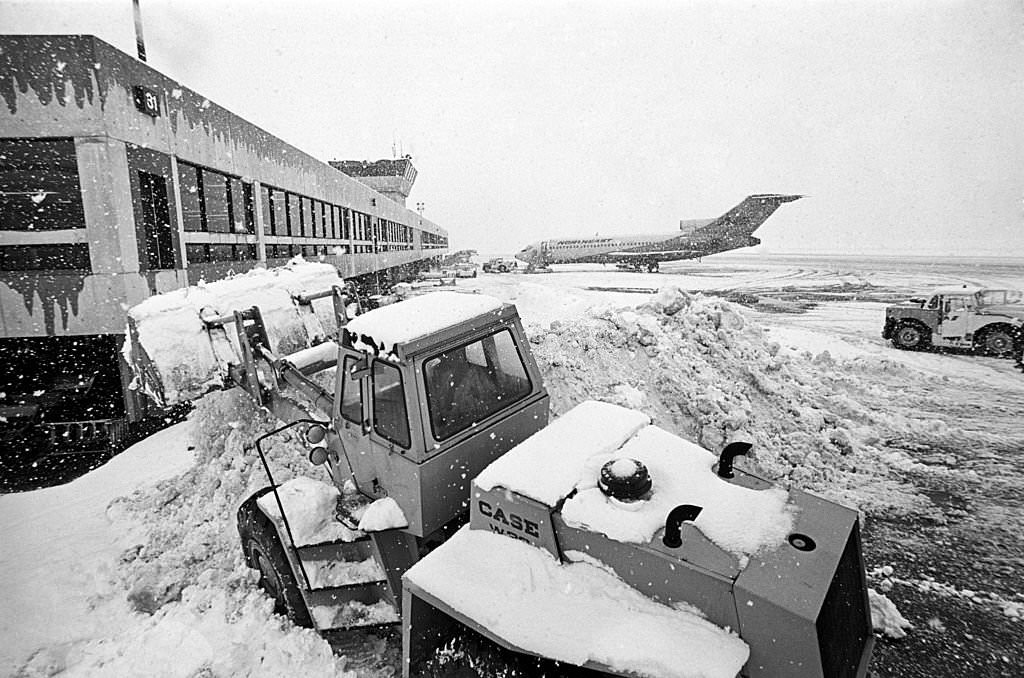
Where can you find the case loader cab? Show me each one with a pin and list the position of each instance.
(429, 392)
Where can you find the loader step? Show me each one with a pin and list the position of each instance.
(359, 548)
(367, 593)
(327, 573)
(353, 614)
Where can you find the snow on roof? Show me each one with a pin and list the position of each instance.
(958, 289)
(547, 465)
(399, 323)
(737, 519)
(574, 612)
(569, 453)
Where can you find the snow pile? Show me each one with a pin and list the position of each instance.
(575, 612)
(207, 635)
(547, 465)
(61, 546)
(175, 358)
(383, 514)
(309, 505)
(738, 519)
(885, 617)
(381, 329)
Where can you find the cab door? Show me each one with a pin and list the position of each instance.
(352, 418)
(955, 316)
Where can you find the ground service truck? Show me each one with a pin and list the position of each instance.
(450, 504)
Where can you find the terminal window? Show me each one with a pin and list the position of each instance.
(215, 202)
(39, 186)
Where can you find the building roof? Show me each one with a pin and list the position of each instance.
(399, 167)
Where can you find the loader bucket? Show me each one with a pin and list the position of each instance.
(176, 353)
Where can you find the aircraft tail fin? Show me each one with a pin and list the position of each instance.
(747, 217)
(735, 228)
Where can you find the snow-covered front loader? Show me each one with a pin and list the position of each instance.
(600, 541)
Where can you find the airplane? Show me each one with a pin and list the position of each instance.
(696, 238)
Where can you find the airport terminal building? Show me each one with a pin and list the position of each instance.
(117, 183)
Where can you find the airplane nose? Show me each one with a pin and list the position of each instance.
(527, 255)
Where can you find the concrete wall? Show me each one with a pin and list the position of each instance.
(81, 87)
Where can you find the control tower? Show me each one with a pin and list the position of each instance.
(392, 178)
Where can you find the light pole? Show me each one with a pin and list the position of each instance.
(139, 42)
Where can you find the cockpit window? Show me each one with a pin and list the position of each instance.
(468, 384)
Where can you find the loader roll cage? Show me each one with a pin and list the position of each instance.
(274, 484)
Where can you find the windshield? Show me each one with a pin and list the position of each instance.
(465, 385)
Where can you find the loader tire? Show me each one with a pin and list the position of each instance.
(997, 341)
(264, 553)
(911, 336)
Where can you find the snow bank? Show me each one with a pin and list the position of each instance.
(737, 519)
(573, 612)
(179, 360)
(381, 329)
(207, 635)
(62, 546)
(547, 465)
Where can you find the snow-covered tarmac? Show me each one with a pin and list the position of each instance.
(68, 556)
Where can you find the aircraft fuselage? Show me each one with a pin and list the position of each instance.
(696, 238)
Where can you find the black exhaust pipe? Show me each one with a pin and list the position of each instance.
(674, 524)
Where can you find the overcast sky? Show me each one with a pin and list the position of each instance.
(903, 122)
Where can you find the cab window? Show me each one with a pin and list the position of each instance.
(351, 400)
(955, 304)
(467, 384)
(390, 419)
